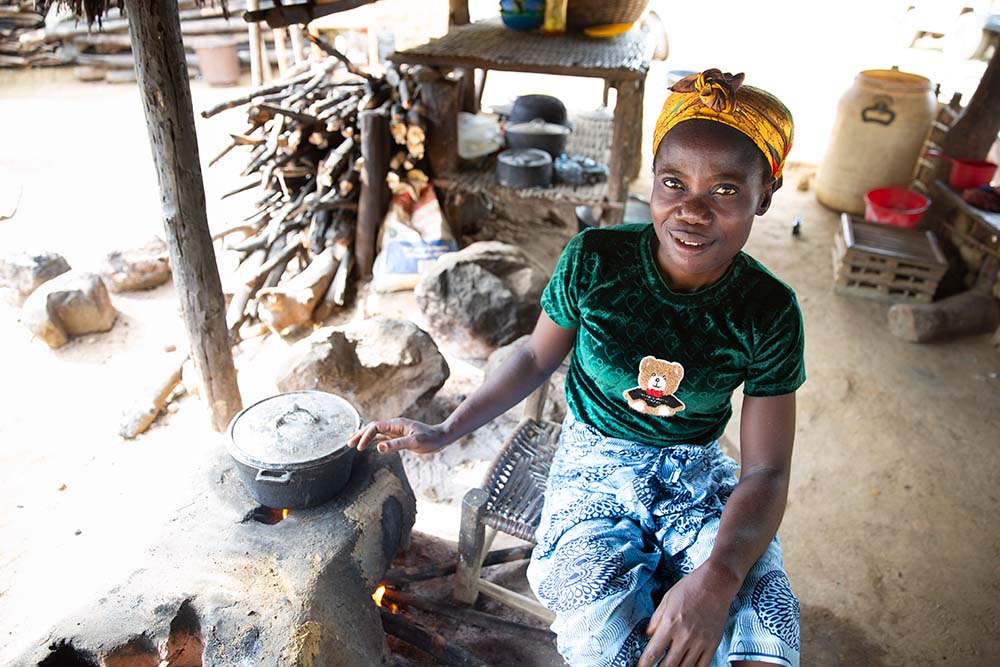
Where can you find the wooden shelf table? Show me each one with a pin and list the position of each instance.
(622, 62)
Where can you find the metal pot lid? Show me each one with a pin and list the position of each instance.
(538, 126)
(525, 157)
(292, 430)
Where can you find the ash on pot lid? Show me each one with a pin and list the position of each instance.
(292, 428)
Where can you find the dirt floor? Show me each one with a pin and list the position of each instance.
(891, 536)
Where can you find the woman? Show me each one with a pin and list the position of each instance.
(649, 550)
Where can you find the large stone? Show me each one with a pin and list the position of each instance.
(22, 272)
(139, 268)
(71, 304)
(222, 589)
(382, 366)
(481, 297)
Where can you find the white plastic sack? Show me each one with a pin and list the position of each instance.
(413, 235)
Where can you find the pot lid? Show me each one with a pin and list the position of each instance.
(525, 157)
(538, 126)
(293, 429)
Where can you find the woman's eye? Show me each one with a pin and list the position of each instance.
(725, 190)
(672, 183)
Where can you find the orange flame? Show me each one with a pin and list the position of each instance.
(284, 514)
(377, 595)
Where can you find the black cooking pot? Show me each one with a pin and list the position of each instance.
(548, 137)
(529, 107)
(524, 168)
(291, 449)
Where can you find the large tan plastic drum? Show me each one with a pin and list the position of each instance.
(876, 138)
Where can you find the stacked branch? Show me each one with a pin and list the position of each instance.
(318, 167)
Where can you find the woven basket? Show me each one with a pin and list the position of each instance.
(585, 13)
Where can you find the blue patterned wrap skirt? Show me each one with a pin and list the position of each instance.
(623, 522)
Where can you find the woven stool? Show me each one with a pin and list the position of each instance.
(510, 501)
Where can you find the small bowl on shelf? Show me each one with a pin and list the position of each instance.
(522, 20)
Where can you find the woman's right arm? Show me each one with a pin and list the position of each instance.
(522, 372)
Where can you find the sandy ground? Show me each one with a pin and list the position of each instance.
(891, 536)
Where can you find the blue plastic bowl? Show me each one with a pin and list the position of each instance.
(522, 20)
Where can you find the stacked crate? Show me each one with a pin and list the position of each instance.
(878, 261)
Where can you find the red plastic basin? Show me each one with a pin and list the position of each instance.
(970, 173)
(895, 206)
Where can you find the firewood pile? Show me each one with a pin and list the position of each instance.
(22, 37)
(321, 162)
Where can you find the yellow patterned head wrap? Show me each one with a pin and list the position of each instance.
(721, 97)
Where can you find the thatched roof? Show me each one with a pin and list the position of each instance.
(96, 10)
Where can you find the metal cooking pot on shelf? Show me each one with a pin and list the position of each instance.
(549, 137)
(291, 449)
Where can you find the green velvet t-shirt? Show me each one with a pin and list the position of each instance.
(657, 366)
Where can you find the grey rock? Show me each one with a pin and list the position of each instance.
(71, 304)
(481, 297)
(382, 366)
(139, 268)
(222, 589)
(22, 272)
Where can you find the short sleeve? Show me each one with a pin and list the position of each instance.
(778, 364)
(560, 300)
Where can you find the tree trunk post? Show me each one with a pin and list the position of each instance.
(977, 125)
(376, 148)
(441, 99)
(155, 30)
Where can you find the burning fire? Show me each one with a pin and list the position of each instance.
(379, 594)
(284, 514)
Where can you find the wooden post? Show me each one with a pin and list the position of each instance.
(155, 31)
(441, 99)
(253, 29)
(471, 541)
(626, 139)
(458, 12)
(373, 200)
(298, 43)
(977, 125)
(280, 50)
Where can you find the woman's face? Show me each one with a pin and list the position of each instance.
(709, 181)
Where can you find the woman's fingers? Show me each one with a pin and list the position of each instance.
(654, 650)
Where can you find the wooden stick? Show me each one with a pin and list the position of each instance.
(406, 575)
(351, 67)
(427, 641)
(465, 615)
(298, 44)
(516, 600)
(243, 188)
(144, 413)
(256, 73)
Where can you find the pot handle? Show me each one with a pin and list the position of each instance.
(273, 476)
(290, 416)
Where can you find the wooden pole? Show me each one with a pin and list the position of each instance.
(256, 73)
(155, 30)
(298, 43)
(627, 139)
(441, 99)
(279, 49)
(376, 146)
(977, 125)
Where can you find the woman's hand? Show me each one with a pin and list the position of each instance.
(690, 620)
(392, 435)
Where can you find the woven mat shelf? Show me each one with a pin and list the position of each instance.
(483, 180)
(490, 45)
(877, 261)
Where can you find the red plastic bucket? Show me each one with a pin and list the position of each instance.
(970, 173)
(895, 206)
(966, 174)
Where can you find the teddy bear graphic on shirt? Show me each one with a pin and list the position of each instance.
(658, 380)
